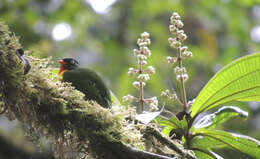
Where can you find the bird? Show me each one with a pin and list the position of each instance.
(86, 81)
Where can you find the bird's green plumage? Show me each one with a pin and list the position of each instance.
(89, 83)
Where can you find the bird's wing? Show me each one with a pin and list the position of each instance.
(90, 84)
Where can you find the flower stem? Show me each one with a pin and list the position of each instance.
(183, 91)
(141, 90)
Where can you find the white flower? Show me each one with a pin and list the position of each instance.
(143, 44)
(183, 49)
(174, 43)
(153, 103)
(181, 35)
(171, 40)
(136, 52)
(179, 70)
(139, 41)
(148, 41)
(150, 70)
(128, 98)
(143, 77)
(165, 93)
(179, 24)
(145, 50)
(176, 15)
(184, 77)
(131, 71)
(171, 60)
(141, 57)
(187, 54)
(145, 35)
(173, 29)
(173, 96)
(143, 62)
(137, 84)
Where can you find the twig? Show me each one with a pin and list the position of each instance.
(151, 131)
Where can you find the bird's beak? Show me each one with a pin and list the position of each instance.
(61, 62)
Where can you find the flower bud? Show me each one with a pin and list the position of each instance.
(142, 44)
(180, 32)
(171, 40)
(143, 77)
(148, 41)
(182, 76)
(165, 93)
(183, 49)
(139, 41)
(176, 15)
(179, 24)
(153, 103)
(137, 84)
(171, 60)
(141, 57)
(187, 54)
(179, 70)
(182, 37)
(173, 96)
(175, 44)
(150, 70)
(173, 29)
(142, 62)
(145, 50)
(145, 35)
(148, 53)
(136, 52)
(131, 71)
(128, 98)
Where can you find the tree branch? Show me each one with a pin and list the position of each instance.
(58, 111)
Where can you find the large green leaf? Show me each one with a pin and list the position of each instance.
(204, 154)
(220, 116)
(174, 124)
(206, 143)
(244, 144)
(239, 80)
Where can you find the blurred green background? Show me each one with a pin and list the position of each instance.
(101, 35)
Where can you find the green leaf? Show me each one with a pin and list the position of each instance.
(207, 143)
(179, 127)
(204, 154)
(184, 125)
(173, 123)
(166, 130)
(220, 116)
(239, 80)
(244, 144)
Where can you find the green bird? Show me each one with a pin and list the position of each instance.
(86, 81)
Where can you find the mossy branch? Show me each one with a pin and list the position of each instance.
(58, 111)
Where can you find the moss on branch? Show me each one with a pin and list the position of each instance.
(74, 126)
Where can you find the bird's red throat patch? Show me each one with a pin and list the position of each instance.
(62, 67)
